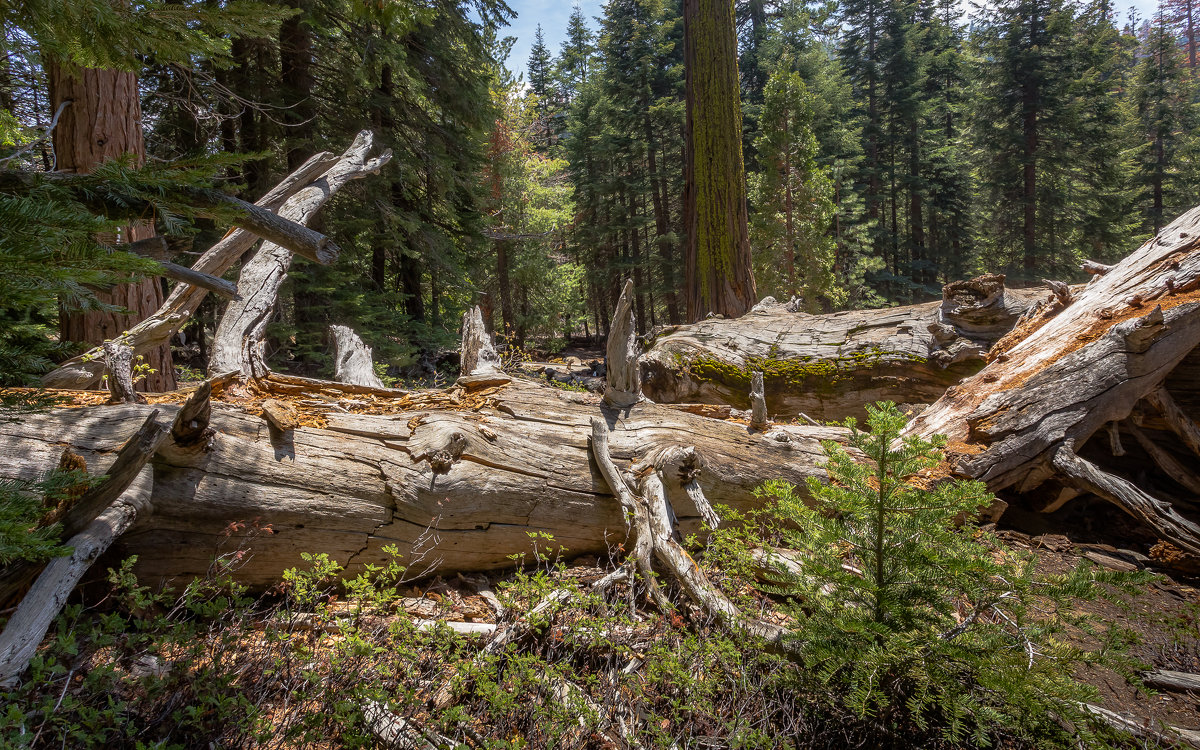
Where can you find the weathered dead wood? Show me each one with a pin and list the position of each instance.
(829, 366)
(1180, 423)
(295, 384)
(1165, 461)
(226, 289)
(131, 457)
(352, 361)
(1157, 514)
(758, 402)
(238, 342)
(477, 354)
(360, 484)
(1079, 368)
(28, 625)
(272, 227)
(1185, 682)
(624, 378)
(191, 423)
(1093, 268)
(280, 414)
(86, 370)
(1161, 734)
(118, 360)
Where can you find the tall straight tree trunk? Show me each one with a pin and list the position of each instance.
(719, 277)
(1030, 102)
(295, 58)
(103, 122)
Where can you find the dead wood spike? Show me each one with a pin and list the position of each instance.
(758, 402)
(624, 376)
(352, 361)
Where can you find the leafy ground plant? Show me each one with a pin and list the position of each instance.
(911, 623)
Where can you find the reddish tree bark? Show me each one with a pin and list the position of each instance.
(103, 122)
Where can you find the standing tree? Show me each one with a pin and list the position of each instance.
(793, 249)
(102, 120)
(719, 278)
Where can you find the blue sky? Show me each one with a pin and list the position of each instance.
(553, 15)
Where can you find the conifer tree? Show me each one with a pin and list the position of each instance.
(541, 85)
(574, 61)
(1166, 120)
(719, 275)
(794, 252)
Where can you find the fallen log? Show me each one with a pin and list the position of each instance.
(461, 475)
(1024, 421)
(829, 366)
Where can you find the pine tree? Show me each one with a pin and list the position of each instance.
(1166, 120)
(574, 61)
(541, 85)
(794, 252)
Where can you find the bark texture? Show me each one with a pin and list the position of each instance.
(103, 121)
(717, 265)
(1068, 370)
(455, 478)
(352, 363)
(829, 366)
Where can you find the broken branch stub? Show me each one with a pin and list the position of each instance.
(758, 402)
(118, 358)
(623, 387)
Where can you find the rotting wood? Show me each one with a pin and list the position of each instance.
(354, 486)
(28, 625)
(280, 414)
(623, 387)
(1077, 369)
(1159, 733)
(352, 361)
(238, 342)
(86, 370)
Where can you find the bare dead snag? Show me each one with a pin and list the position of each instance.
(479, 363)
(238, 343)
(86, 370)
(624, 377)
(28, 625)
(118, 359)
(352, 361)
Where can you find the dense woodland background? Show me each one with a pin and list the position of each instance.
(890, 147)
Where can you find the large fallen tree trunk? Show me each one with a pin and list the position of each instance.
(456, 477)
(829, 366)
(1023, 423)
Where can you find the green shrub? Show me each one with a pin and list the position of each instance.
(911, 622)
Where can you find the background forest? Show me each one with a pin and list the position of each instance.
(890, 146)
